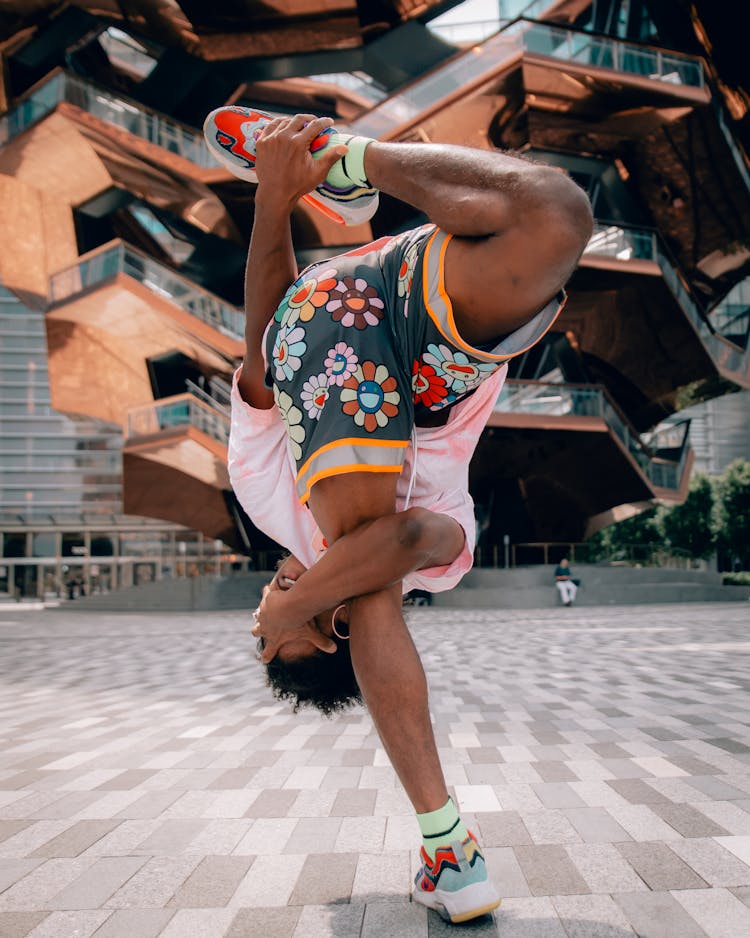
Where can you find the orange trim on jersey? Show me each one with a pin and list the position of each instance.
(451, 322)
(341, 470)
(426, 283)
(356, 441)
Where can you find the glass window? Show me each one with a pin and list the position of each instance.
(73, 545)
(127, 53)
(14, 545)
(44, 544)
(102, 545)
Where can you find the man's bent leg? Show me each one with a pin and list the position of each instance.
(393, 684)
(386, 663)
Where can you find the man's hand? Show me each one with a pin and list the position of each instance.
(273, 621)
(286, 169)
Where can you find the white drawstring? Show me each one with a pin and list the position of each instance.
(413, 467)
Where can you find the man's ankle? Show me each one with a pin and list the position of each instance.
(441, 828)
(349, 171)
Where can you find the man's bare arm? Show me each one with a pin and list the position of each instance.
(375, 556)
(520, 227)
(271, 264)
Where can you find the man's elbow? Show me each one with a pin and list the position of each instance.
(573, 209)
(414, 533)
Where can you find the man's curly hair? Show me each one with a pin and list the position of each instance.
(321, 680)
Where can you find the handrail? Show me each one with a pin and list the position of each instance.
(221, 390)
(523, 34)
(118, 110)
(533, 10)
(544, 397)
(178, 411)
(204, 396)
(627, 242)
(118, 257)
(733, 311)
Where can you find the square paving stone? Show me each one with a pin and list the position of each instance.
(135, 923)
(549, 871)
(659, 867)
(266, 923)
(502, 829)
(689, 821)
(19, 924)
(717, 911)
(75, 839)
(212, 883)
(325, 878)
(658, 915)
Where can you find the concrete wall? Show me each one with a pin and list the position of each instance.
(520, 588)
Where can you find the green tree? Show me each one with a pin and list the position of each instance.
(634, 538)
(734, 512)
(690, 526)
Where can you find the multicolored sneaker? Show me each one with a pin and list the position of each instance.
(231, 134)
(455, 884)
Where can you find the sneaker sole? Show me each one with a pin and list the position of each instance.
(464, 904)
(352, 214)
(233, 163)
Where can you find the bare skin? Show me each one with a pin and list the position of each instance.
(416, 539)
(519, 229)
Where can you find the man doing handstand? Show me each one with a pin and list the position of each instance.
(346, 371)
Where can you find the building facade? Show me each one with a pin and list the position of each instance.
(120, 318)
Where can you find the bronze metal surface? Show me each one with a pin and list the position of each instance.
(99, 341)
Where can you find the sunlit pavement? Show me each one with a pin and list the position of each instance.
(149, 784)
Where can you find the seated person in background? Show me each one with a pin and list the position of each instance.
(565, 583)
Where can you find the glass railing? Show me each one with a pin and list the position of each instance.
(171, 413)
(666, 471)
(453, 26)
(119, 111)
(481, 61)
(208, 398)
(221, 391)
(626, 243)
(731, 316)
(615, 54)
(118, 257)
(739, 157)
(668, 436)
(726, 354)
(575, 400)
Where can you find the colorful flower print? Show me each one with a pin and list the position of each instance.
(393, 242)
(292, 417)
(461, 374)
(406, 275)
(281, 309)
(306, 299)
(370, 396)
(340, 363)
(314, 395)
(354, 303)
(287, 351)
(428, 387)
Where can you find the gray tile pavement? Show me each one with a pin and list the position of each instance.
(151, 788)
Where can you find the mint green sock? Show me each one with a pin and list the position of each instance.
(441, 828)
(350, 169)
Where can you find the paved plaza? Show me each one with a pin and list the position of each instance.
(150, 786)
